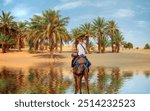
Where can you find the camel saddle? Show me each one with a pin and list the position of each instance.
(81, 60)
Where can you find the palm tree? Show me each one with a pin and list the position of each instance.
(21, 34)
(111, 30)
(8, 28)
(6, 22)
(98, 26)
(48, 26)
(104, 42)
(52, 23)
(36, 27)
(5, 40)
(62, 36)
(91, 46)
(118, 40)
(76, 32)
(88, 32)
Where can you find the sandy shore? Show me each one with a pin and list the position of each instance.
(127, 59)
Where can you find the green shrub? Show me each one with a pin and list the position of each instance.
(147, 46)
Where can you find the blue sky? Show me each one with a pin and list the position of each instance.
(132, 16)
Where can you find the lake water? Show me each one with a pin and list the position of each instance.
(59, 80)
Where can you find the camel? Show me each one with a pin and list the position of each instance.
(78, 73)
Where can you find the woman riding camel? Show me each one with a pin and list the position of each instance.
(80, 66)
(81, 51)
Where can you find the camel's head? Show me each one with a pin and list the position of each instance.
(79, 70)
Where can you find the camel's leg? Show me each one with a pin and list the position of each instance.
(76, 84)
(80, 84)
(86, 77)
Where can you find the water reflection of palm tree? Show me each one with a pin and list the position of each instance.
(60, 79)
(147, 73)
(19, 80)
(107, 83)
(57, 83)
(12, 80)
(99, 86)
(127, 74)
(102, 80)
(32, 82)
(7, 82)
(40, 81)
(116, 81)
(51, 81)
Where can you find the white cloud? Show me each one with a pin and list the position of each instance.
(64, 0)
(104, 4)
(86, 18)
(39, 14)
(67, 6)
(6, 2)
(142, 24)
(121, 13)
(21, 12)
(142, 7)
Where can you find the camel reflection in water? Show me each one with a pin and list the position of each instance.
(58, 80)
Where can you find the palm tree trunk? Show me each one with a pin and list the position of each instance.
(87, 44)
(99, 44)
(36, 45)
(112, 45)
(3, 48)
(7, 47)
(51, 48)
(103, 49)
(46, 47)
(61, 46)
(118, 48)
(76, 44)
(19, 44)
(41, 45)
(46, 44)
(56, 47)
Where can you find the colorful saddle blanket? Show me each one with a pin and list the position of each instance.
(82, 60)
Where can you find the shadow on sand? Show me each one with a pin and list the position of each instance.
(55, 56)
